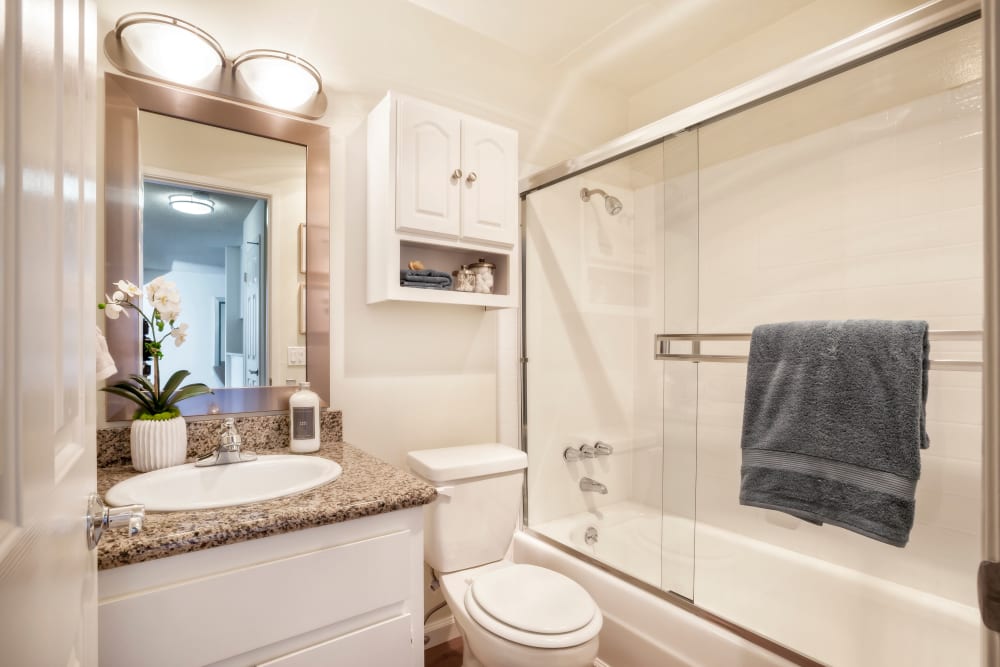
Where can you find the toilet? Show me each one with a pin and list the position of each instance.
(509, 614)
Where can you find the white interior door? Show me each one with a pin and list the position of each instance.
(429, 168)
(251, 312)
(47, 453)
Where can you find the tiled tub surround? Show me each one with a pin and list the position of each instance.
(368, 486)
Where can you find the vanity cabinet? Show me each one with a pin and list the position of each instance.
(347, 593)
(441, 188)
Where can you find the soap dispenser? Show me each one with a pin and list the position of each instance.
(303, 411)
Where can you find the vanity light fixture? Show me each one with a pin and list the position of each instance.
(170, 47)
(191, 204)
(158, 46)
(278, 78)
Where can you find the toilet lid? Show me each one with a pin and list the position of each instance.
(534, 599)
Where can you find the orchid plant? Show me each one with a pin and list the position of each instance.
(153, 402)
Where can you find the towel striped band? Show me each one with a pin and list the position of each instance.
(838, 471)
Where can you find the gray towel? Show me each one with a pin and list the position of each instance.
(833, 423)
(425, 278)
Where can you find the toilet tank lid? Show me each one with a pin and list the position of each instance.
(447, 464)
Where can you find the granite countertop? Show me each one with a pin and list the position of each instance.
(367, 486)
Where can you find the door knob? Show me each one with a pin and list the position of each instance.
(457, 174)
(471, 178)
(101, 518)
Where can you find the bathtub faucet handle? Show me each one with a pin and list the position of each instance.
(572, 454)
(603, 449)
(588, 451)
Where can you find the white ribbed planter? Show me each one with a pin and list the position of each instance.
(158, 444)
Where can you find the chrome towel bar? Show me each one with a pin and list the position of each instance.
(661, 348)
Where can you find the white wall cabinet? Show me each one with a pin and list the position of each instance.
(348, 593)
(439, 187)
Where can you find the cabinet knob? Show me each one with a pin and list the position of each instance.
(457, 174)
(471, 178)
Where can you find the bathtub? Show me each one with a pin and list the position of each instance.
(834, 615)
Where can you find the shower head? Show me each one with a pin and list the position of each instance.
(613, 205)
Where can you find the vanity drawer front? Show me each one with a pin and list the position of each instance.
(238, 611)
(387, 643)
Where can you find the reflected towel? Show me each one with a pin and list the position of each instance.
(105, 364)
(833, 423)
(425, 278)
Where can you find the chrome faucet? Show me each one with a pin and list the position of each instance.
(588, 451)
(229, 449)
(603, 449)
(587, 484)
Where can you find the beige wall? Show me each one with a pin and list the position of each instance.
(812, 27)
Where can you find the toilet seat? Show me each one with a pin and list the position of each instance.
(533, 606)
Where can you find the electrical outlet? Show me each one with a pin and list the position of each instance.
(296, 356)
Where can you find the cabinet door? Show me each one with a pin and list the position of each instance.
(426, 180)
(489, 186)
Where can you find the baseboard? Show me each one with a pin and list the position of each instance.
(440, 631)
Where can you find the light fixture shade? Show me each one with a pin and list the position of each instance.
(191, 204)
(170, 47)
(277, 78)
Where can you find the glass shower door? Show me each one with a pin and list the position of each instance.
(594, 288)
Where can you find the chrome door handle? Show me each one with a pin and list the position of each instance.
(101, 518)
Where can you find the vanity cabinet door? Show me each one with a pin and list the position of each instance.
(429, 169)
(489, 184)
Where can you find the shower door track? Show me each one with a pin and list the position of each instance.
(929, 19)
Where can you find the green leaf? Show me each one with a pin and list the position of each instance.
(189, 391)
(172, 384)
(144, 383)
(131, 394)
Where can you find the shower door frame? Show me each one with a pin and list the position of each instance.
(881, 39)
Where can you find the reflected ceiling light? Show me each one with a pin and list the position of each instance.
(170, 47)
(191, 204)
(279, 79)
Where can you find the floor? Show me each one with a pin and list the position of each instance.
(448, 654)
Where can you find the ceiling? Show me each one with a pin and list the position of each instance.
(626, 44)
(169, 236)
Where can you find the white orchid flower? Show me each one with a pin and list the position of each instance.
(128, 288)
(180, 334)
(111, 309)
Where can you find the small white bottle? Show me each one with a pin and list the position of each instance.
(303, 412)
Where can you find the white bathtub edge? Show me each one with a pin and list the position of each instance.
(665, 634)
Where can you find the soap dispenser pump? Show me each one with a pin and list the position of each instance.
(303, 409)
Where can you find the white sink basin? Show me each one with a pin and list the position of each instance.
(189, 488)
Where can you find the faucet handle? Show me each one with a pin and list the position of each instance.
(588, 451)
(230, 439)
(603, 449)
(572, 454)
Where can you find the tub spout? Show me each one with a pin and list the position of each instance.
(587, 484)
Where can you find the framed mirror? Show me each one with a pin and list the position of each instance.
(250, 328)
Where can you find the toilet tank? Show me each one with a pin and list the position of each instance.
(473, 519)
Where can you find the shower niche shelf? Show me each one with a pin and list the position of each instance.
(439, 187)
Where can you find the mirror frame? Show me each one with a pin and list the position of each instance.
(124, 98)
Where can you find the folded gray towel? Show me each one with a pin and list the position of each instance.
(833, 423)
(425, 278)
